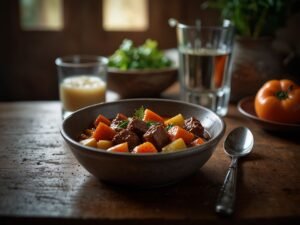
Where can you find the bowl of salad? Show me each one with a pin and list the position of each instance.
(143, 142)
(143, 71)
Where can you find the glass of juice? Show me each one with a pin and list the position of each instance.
(204, 64)
(82, 81)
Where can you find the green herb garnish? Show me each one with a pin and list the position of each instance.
(152, 123)
(169, 126)
(139, 113)
(123, 124)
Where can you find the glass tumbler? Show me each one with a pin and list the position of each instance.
(204, 65)
(82, 81)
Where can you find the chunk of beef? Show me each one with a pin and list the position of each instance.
(119, 122)
(137, 126)
(126, 136)
(158, 136)
(193, 125)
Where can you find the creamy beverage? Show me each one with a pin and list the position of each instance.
(80, 91)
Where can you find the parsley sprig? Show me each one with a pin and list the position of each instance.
(123, 124)
(169, 126)
(152, 123)
(139, 113)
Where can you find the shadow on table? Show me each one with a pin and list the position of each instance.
(193, 197)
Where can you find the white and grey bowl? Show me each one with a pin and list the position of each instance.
(142, 170)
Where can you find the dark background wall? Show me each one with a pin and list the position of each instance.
(27, 68)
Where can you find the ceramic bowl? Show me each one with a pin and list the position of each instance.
(246, 108)
(142, 170)
(140, 83)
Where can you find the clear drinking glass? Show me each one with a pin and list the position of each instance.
(204, 65)
(82, 81)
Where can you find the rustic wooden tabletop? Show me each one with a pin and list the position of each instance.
(42, 183)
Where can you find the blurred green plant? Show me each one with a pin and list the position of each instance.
(146, 56)
(251, 18)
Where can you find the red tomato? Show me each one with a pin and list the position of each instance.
(278, 100)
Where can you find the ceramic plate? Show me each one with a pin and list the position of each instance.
(246, 107)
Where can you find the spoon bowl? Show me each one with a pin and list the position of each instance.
(238, 143)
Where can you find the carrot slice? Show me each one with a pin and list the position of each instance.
(123, 147)
(219, 70)
(103, 132)
(197, 141)
(150, 116)
(176, 132)
(146, 147)
(102, 119)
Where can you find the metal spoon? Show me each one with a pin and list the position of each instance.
(238, 143)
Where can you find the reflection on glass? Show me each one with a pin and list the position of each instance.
(41, 14)
(125, 15)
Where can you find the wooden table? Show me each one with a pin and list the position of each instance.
(42, 183)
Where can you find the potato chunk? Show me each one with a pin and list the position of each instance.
(175, 120)
(104, 144)
(174, 146)
(91, 142)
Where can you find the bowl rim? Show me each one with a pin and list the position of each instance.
(161, 155)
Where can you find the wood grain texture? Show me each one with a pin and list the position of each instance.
(42, 183)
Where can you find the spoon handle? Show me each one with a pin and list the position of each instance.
(226, 198)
